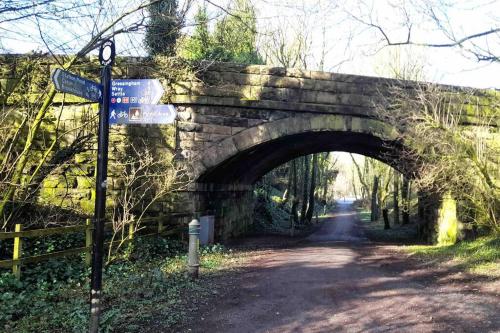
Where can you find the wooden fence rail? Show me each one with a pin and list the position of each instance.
(18, 234)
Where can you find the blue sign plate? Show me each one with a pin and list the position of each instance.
(135, 92)
(76, 85)
(142, 114)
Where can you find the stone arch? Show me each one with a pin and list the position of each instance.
(246, 156)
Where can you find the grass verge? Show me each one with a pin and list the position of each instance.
(480, 256)
(148, 291)
(374, 230)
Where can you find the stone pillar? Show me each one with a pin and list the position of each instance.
(233, 213)
(438, 221)
(448, 227)
(232, 206)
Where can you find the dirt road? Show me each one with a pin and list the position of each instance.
(337, 281)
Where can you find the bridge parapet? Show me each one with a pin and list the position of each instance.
(293, 90)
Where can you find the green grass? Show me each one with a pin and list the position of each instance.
(374, 230)
(479, 256)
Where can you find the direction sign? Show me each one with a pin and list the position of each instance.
(142, 114)
(141, 91)
(76, 85)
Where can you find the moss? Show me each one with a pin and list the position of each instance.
(84, 182)
(46, 194)
(87, 206)
(84, 157)
(448, 226)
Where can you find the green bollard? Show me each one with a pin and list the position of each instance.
(194, 244)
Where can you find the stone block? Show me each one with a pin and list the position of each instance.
(288, 126)
(184, 115)
(327, 122)
(290, 95)
(197, 168)
(299, 73)
(254, 122)
(255, 114)
(252, 80)
(202, 136)
(207, 119)
(276, 115)
(237, 78)
(219, 152)
(316, 75)
(235, 130)
(323, 97)
(333, 86)
(269, 93)
(308, 96)
(85, 182)
(280, 82)
(252, 69)
(279, 71)
(251, 137)
(186, 136)
(347, 123)
(189, 127)
(235, 121)
(216, 129)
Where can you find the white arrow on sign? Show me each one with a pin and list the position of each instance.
(157, 92)
(76, 85)
(55, 78)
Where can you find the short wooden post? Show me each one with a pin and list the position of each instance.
(16, 268)
(88, 241)
(131, 230)
(160, 224)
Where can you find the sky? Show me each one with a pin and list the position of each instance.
(336, 31)
(353, 47)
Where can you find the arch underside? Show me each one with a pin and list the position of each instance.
(248, 166)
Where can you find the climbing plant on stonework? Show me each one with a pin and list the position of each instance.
(163, 28)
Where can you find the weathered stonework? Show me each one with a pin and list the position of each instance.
(245, 120)
(235, 123)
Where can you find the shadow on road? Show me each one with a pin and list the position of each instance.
(337, 281)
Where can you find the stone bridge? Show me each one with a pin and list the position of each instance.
(239, 122)
(235, 124)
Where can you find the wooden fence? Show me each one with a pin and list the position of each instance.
(18, 234)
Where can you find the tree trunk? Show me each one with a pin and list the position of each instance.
(385, 214)
(421, 207)
(405, 194)
(310, 208)
(305, 190)
(374, 205)
(286, 194)
(395, 197)
(294, 218)
(361, 175)
(325, 175)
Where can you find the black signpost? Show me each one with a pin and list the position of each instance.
(106, 57)
(132, 101)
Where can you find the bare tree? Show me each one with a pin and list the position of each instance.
(449, 155)
(107, 20)
(145, 179)
(410, 18)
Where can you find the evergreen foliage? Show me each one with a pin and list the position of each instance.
(163, 28)
(233, 38)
